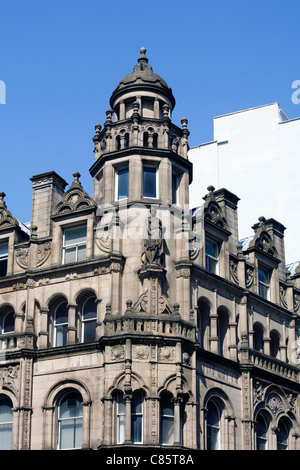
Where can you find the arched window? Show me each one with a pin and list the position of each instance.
(8, 321)
(145, 139)
(89, 320)
(261, 432)
(6, 420)
(274, 343)
(120, 417)
(282, 435)
(155, 140)
(60, 324)
(70, 421)
(137, 418)
(258, 337)
(166, 419)
(213, 426)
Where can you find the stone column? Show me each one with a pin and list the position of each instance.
(71, 337)
(86, 425)
(107, 425)
(128, 398)
(48, 413)
(177, 421)
(43, 332)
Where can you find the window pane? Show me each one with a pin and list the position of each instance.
(70, 406)
(3, 249)
(136, 428)
(123, 183)
(8, 323)
(89, 309)
(6, 417)
(167, 431)
(137, 403)
(212, 438)
(70, 255)
(149, 182)
(75, 235)
(174, 188)
(211, 248)
(61, 314)
(89, 331)
(121, 429)
(81, 253)
(61, 336)
(5, 436)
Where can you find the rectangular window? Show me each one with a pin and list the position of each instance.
(264, 277)
(212, 256)
(121, 410)
(122, 183)
(175, 187)
(3, 258)
(74, 244)
(150, 185)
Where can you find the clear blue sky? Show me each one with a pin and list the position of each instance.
(61, 60)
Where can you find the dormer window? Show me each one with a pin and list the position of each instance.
(150, 182)
(74, 244)
(3, 258)
(264, 277)
(212, 256)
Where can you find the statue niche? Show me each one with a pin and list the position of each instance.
(153, 242)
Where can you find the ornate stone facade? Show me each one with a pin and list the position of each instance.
(129, 320)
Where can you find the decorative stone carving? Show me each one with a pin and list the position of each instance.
(153, 243)
(249, 272)
(140, 352)
(6, 218)
(43, 253)
(166, 354)
(75, 198)
(22, 257)
(262, 241)
(275, 405)
(296, 301)
(282, 294)
(213, 211)
(233, 267)
(10, 378)
(117, 352)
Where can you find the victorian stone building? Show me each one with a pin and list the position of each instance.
(128, 319)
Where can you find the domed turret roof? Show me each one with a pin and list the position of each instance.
(143, 78)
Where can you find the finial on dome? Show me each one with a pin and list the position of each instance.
(143, 57)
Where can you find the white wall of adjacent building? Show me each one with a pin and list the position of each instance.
(255, 153)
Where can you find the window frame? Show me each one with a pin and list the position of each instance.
(118, 169)
(177, 177)
(120, 417)
(90, 320)
(4, 258)
(64, 325)
(264, 286)
(73, 418)
(211, 258)
(156, 167)
(209, 427)
(6, 423)
(73, 245)
(166, 418)
(140, 414)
